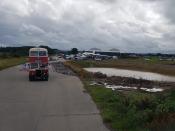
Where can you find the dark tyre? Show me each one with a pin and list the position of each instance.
(31, 78)
(46, 78)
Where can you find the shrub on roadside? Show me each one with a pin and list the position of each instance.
(133, 110)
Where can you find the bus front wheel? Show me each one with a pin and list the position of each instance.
(31, 78)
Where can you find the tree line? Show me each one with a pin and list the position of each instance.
(21, 51)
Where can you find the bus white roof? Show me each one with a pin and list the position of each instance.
(38, 49)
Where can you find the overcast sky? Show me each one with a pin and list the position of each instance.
(128, 25)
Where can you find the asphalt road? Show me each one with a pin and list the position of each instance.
(57, 105)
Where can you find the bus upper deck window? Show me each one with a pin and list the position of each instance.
(34, 53)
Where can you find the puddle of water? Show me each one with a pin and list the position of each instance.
(95, 83)
(132, 73)
(115, 87)
(152, 90)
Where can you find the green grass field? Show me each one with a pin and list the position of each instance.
(153, 65)
(135, 110)
(129, 110)
(11, 61)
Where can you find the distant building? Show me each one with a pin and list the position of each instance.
(112, 52)
(95, 49)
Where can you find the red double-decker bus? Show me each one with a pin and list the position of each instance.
(38, 60)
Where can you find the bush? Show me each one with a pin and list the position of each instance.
(134, 110)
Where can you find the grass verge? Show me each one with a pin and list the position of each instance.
(131, 110)
(11, 61)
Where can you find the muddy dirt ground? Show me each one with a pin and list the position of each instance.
(132, 82)
(60, 68)
(116, 80)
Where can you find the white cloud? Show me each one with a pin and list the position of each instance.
(17, 7)
(130, 25)
(31, 30)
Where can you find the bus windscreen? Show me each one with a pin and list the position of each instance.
(35, 53)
